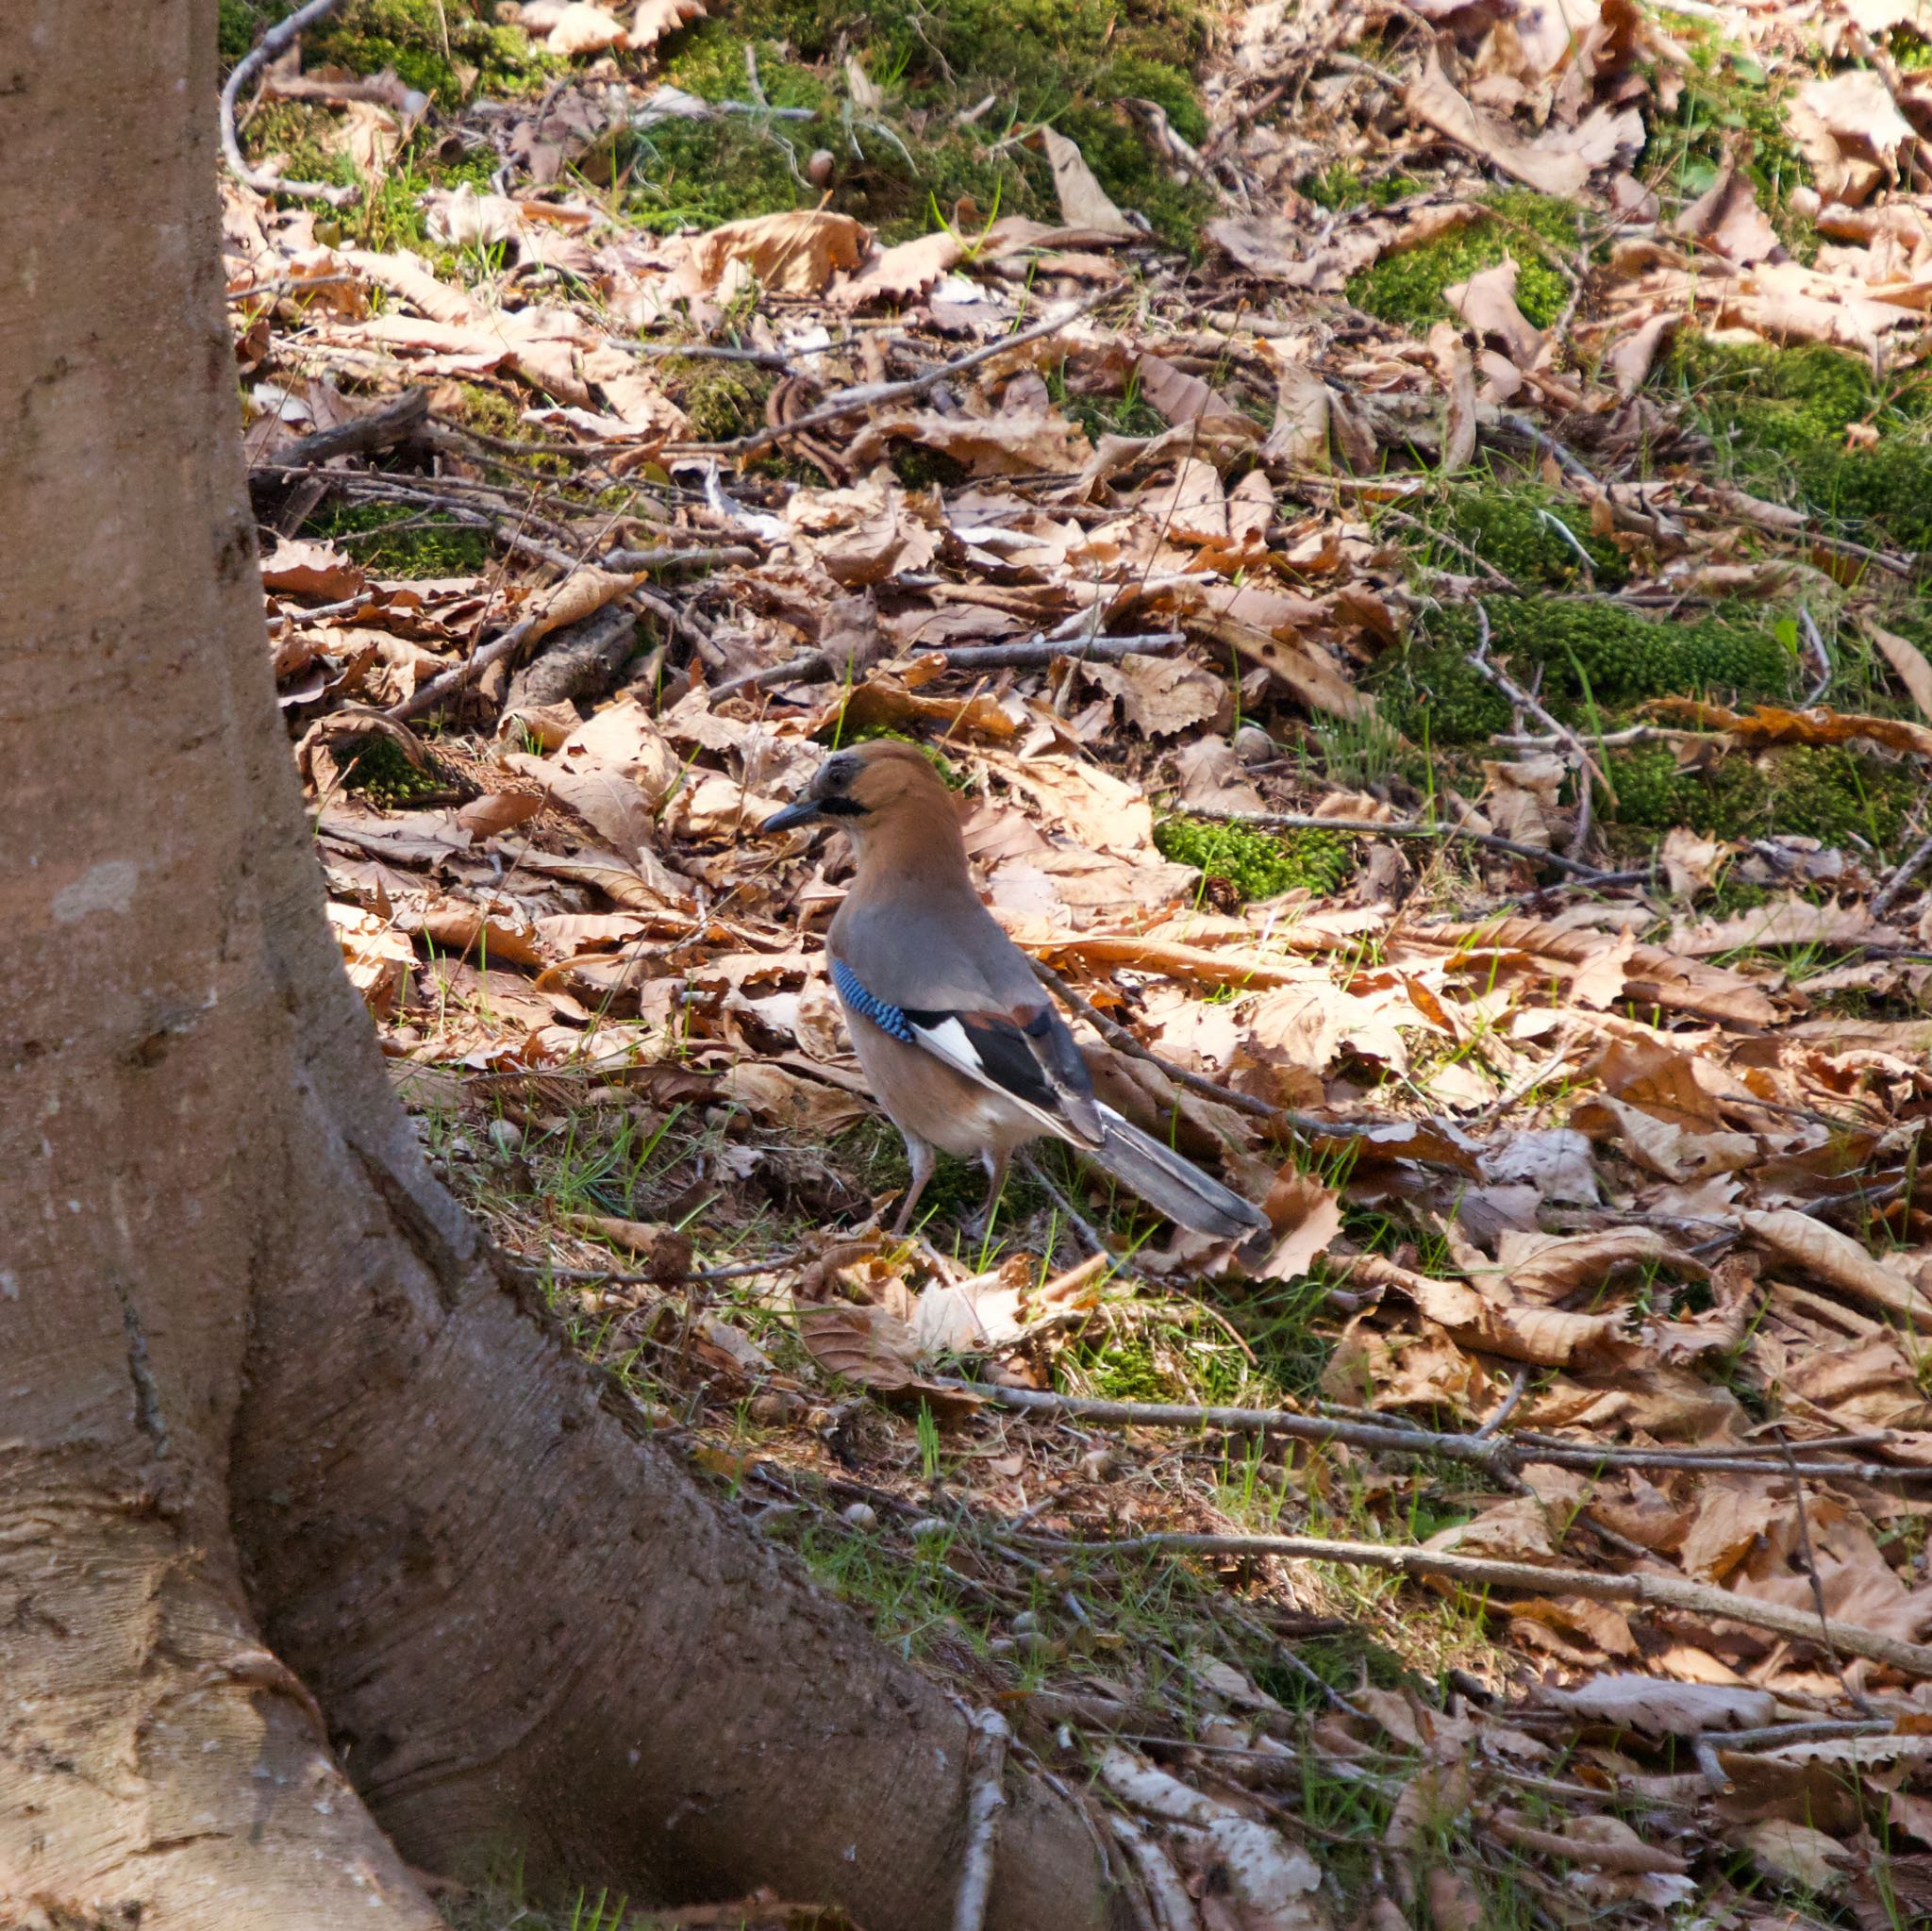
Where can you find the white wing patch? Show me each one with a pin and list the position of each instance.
(951, 1041)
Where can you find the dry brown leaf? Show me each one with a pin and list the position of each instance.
(902, 272)
(1432, 98)
(1838, 1259)
(792, 254)
(1084, 203)
(659, 1250)
(1455, 1904)
(870, 1345)
(790, 1101)
(1457, 371)
(1601, 1843)
(569, 28)
(377, 958)
(1909, 662)
(1486, 301)
(1160, 697)
(497, 812)
(1726, 219)
(654, 19)
(1016, 442)
(1305, 1217)
(1662, 1710)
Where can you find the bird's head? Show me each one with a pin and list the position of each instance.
(870, 787)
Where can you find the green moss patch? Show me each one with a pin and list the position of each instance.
(1070, 63)
(1258, 864)
(1520, 530)
(1780, 420)
(1591, 652)
(1406, 288)
(1829, 792)
(393, 540)
(448, 49)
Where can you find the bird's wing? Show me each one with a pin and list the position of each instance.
(1026, 1055)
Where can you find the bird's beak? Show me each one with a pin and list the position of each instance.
(804, 812)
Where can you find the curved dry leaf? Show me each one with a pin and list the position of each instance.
(1455, 1904)
(497, 812)
(1017, 443)
(568, 27)
(1601, 1843)
(654, 19)
(663, 1251)
(870, 1345)
(1084, 203)
(792, 254)
(1432, 98)
(1487, 303)
(1661, 1708)
(1836, 1258)
(1909, 662)
(903, 272)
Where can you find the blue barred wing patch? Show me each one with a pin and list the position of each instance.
(886, 1017)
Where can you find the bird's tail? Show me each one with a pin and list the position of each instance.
(1167, 1183)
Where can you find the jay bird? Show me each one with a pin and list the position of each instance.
(962, 1046)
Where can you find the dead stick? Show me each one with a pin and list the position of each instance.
(1651, 1592)
(394, 423)
(988, 1798)
(856, 400)
(1042, 649)
(285, 34)
(1493, 1452)
(1478, 661)
(1887, 894)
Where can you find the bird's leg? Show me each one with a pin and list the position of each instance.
(922, 1159)
(994, 1162)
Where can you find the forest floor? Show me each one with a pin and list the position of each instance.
(1403, 521)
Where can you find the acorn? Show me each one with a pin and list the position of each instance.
(819, 168)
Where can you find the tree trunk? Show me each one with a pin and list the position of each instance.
(262, 1380)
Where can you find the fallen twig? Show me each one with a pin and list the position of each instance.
(284, 34)
(1652, 1592)
(984, 1803)
(395, 422)
(871, 393)
(1039, 651)
(1498, 1453)
(1887, 895)
(1478, 661)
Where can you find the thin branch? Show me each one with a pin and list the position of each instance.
(1478, 661)
(1887, 895)
(854, 401)
(1499, 1454)
(278, 39)
(1039, 651)
(986, 1799)
(1652, 1592)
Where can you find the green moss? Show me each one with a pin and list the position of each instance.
(1829, 792)
(1407, 288)
(1258, 864)
(1344, 185)
(443, 47)
(392, 540)
(1068, 62)
(379, 769)
(723, 399)
(1591, 652)
(1510, 529)
(1780, 417)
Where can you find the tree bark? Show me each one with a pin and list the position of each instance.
(286, 1469)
